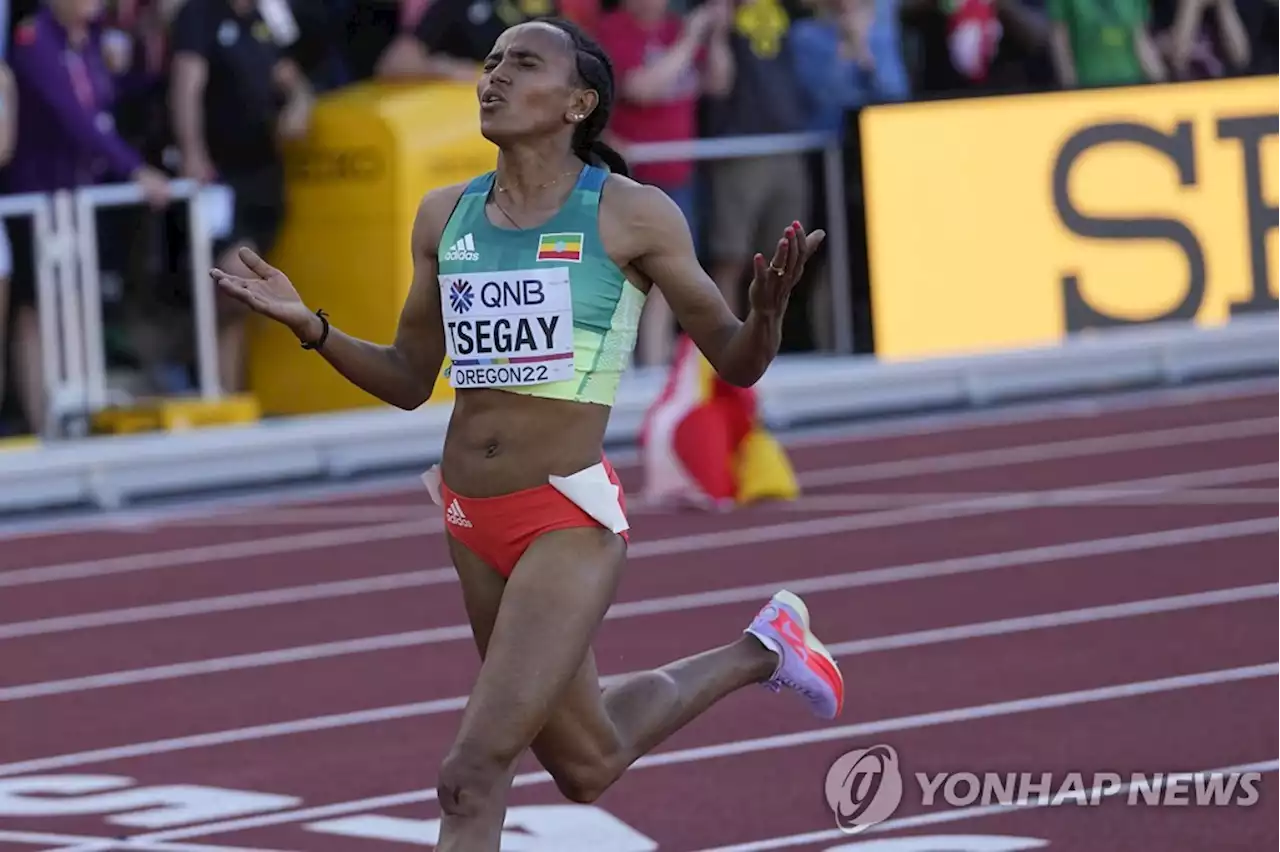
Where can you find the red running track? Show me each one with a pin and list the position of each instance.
(1085, 588)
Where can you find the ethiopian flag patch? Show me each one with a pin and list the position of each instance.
(560, 247)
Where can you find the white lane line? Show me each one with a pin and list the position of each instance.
(430, 524)
(236, 662)
(319, 515)
(86, 843)
(693, 543)
(973, 812)
(438, 706)
(1065, 618)
(1044, 499)
(771, 743)
(417, 638)
(1087, 407)
(322, 540)
(1070, 449)
(226, 603)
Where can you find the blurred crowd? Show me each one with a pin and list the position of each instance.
(109, 91)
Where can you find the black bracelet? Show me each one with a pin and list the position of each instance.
(324, 331)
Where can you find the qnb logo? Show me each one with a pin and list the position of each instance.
(864, 787)
(461, 296)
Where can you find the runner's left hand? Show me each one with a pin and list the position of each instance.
(773, 281)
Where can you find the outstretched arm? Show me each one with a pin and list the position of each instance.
(739, 350)
(402, 374)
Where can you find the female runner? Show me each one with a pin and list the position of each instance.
(531, 278)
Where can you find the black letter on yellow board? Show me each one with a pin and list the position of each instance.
(1251, 130)
(1178, 147)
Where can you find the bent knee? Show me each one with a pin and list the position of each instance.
(583, 783)
(468, 778)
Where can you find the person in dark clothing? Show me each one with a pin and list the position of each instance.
(452, 38)
(234, 95)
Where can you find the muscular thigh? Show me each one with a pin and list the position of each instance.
(482, 589)
(539, 683)
(578, 734)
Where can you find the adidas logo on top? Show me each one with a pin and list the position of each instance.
(463, 249)
(455, 515)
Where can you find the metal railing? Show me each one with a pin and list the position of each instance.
(765, 145)
(88, 201)
(57, 302)
(69, 296)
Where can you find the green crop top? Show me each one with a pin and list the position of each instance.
(540, 311)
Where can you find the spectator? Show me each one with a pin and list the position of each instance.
(134, 34)
(1201, 38)
(975, 47)
(1023, 62)
(66, 96)
(316, 46)
(367, 29)
(67, 138)
(233, 96)
(451, 38)
(848, 56)
(663, 63)
(1103, 43)
(754, 199)
(137, 53)
(585, 13)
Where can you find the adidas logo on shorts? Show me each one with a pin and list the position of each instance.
(463, 249)
(455, 515)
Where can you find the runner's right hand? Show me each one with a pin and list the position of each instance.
(270, 293)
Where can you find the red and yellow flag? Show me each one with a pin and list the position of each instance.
(703, 443)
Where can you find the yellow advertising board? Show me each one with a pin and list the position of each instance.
(1013, 221)
(354, 185)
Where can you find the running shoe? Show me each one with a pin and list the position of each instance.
(804, 665)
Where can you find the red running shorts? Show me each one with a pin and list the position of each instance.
(500, 529)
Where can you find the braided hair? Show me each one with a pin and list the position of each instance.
(596, 72)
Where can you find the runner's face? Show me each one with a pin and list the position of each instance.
(529, 86)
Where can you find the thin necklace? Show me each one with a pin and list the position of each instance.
(502, 189)
(556, 179)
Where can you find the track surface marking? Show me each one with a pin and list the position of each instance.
(1087, 587)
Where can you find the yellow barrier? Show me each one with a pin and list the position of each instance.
(353, 191)
(1012, 221)
(170, 414)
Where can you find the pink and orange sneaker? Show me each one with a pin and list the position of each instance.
(805, 665)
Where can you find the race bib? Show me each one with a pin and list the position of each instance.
(508, 328)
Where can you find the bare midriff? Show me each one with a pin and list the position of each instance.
(501, 442)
